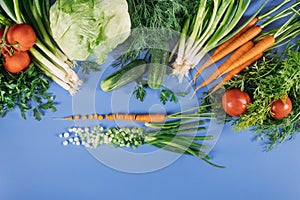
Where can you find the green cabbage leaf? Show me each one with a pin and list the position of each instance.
(89, 28)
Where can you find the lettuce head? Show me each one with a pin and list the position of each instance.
(89, 28)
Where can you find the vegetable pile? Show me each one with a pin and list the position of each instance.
(29, 54)
(264, 96)
(41, 42)
(274, 85)
(153, 26)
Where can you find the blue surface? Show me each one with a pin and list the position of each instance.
(34, 165)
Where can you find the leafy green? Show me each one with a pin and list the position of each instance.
(26, 90)
(271, 78)
(140, 91)
(167, 95)
(89, 28)
(161, 14)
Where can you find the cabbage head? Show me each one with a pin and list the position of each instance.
(89, 28)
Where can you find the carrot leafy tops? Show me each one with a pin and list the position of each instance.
(273, 78)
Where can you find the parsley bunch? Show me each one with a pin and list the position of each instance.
(26, 90)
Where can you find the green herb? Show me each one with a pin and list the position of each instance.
(88, 66)
(275, 76)
(169, 15)
(26, 90)
(167, 95)
(140, 91)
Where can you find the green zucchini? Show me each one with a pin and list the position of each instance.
(157, 68)
(125, 75)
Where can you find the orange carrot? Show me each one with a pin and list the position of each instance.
(83, 117)
(150, 118)
(128, 117)
(99, 117)
(236, 71)
(242, 39)
(259, 47)
(120, 116)
(228, 42)
(235, 56)
(110, 116)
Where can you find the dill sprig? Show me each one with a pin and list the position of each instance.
(167, 16)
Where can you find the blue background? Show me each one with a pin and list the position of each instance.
(34, 165)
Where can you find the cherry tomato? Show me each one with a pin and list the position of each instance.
(234, 102)
(17, 62)
(21, 34)
(281, 108)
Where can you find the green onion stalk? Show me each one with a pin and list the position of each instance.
(46, 54)
(213, 25)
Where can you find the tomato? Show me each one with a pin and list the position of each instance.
(19, 61)
(234, 102)
(281, 108)
(21, 34)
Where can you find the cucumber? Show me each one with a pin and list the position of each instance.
(125, 75)
(157, 68)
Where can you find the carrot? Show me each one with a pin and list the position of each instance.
(259, 47)
(110, 117)
(120, 116)
(242, 39)
(128, 117)
(150, 118)
(99, 117)
(83, 117)
(228, 42)
(235, 56)
(236, 71)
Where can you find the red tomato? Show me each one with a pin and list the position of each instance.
(21, 34)
(281, 108)
(234, 102)
(19, 61)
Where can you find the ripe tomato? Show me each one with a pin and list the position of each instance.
(23, 35)
(234, 102)
(281, 108)
(19, 61)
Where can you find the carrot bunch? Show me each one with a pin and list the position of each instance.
(248, 46)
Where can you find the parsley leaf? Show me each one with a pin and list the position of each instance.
(140, 90)
(26, 90)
